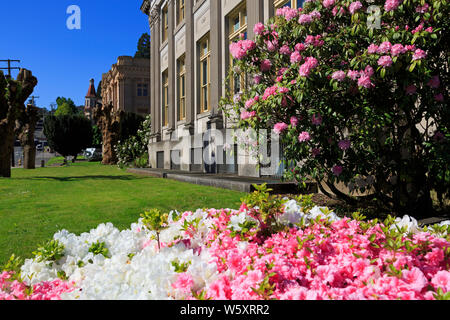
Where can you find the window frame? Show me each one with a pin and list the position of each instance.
(239, 12)
(181, 71)
(181, 11)
(205, 57)
(294, 3)
(165, 24)
(165, 98)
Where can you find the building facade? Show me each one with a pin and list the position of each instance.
(127, 85)
(90, 100)
(190, 60)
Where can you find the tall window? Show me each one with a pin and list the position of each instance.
(165, 98)
(165, 23)
(289, 3)
(181, 89)
(205, 77)
(237, 25)
(180, 11)
(142, 90)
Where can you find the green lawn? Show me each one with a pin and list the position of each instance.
(35, 204)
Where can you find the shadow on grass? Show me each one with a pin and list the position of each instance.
(75, 178)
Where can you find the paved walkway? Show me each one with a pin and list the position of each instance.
(225, 181)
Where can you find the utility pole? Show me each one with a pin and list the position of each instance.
(9, 68)
(32, 100)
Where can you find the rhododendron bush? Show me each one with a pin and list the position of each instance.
(268, 249)
(358, 92)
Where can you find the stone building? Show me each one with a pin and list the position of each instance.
(127, 85)
(190, 60)
(90, 100)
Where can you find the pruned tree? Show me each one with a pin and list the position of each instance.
(13, 94)
(25, 129)
(108, 120)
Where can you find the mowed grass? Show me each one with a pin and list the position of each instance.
(35, 204)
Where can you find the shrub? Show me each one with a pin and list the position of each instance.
(68, 134)
(354, 104)
(133, 151)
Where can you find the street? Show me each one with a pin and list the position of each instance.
(18, 154)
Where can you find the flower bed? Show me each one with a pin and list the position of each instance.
(300, 252)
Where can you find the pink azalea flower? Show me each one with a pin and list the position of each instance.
(300, 47)
(442, 280)
(352, 74)
(305, 19)
(385, 47)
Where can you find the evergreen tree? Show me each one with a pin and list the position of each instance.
(143, 48)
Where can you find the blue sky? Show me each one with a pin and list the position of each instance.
(64, 60)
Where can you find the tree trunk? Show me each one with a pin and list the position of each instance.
(6, 150)
(29, 156)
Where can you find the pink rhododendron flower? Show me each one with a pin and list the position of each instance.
(310, 64)
(390, 5)
(439, 97)
(300, 47)
(257, 79)
(240, 49)
(294, 122)
(316, 119)
(305, 19)
(304, 137)
(385, 47)
(385, 61)
(411, 89)
(285, 50)
(272, 45)
(280, 127)
(270, 91)
(434, 82)
(337, 170)
(364, 81)
(352, 74)
(266, 65)
(296, 57)
(354, 6)
(338, 75)
(247, 115)
(344, 144)
(315, 152)
(397, 49)
(328, 3)
(373, 48)
(419, 54)
(259, 28)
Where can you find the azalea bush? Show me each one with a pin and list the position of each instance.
(358, 92)
(134, 150)
(305, 252)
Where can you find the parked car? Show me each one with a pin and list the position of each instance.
(93, 154)
(39, 147)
